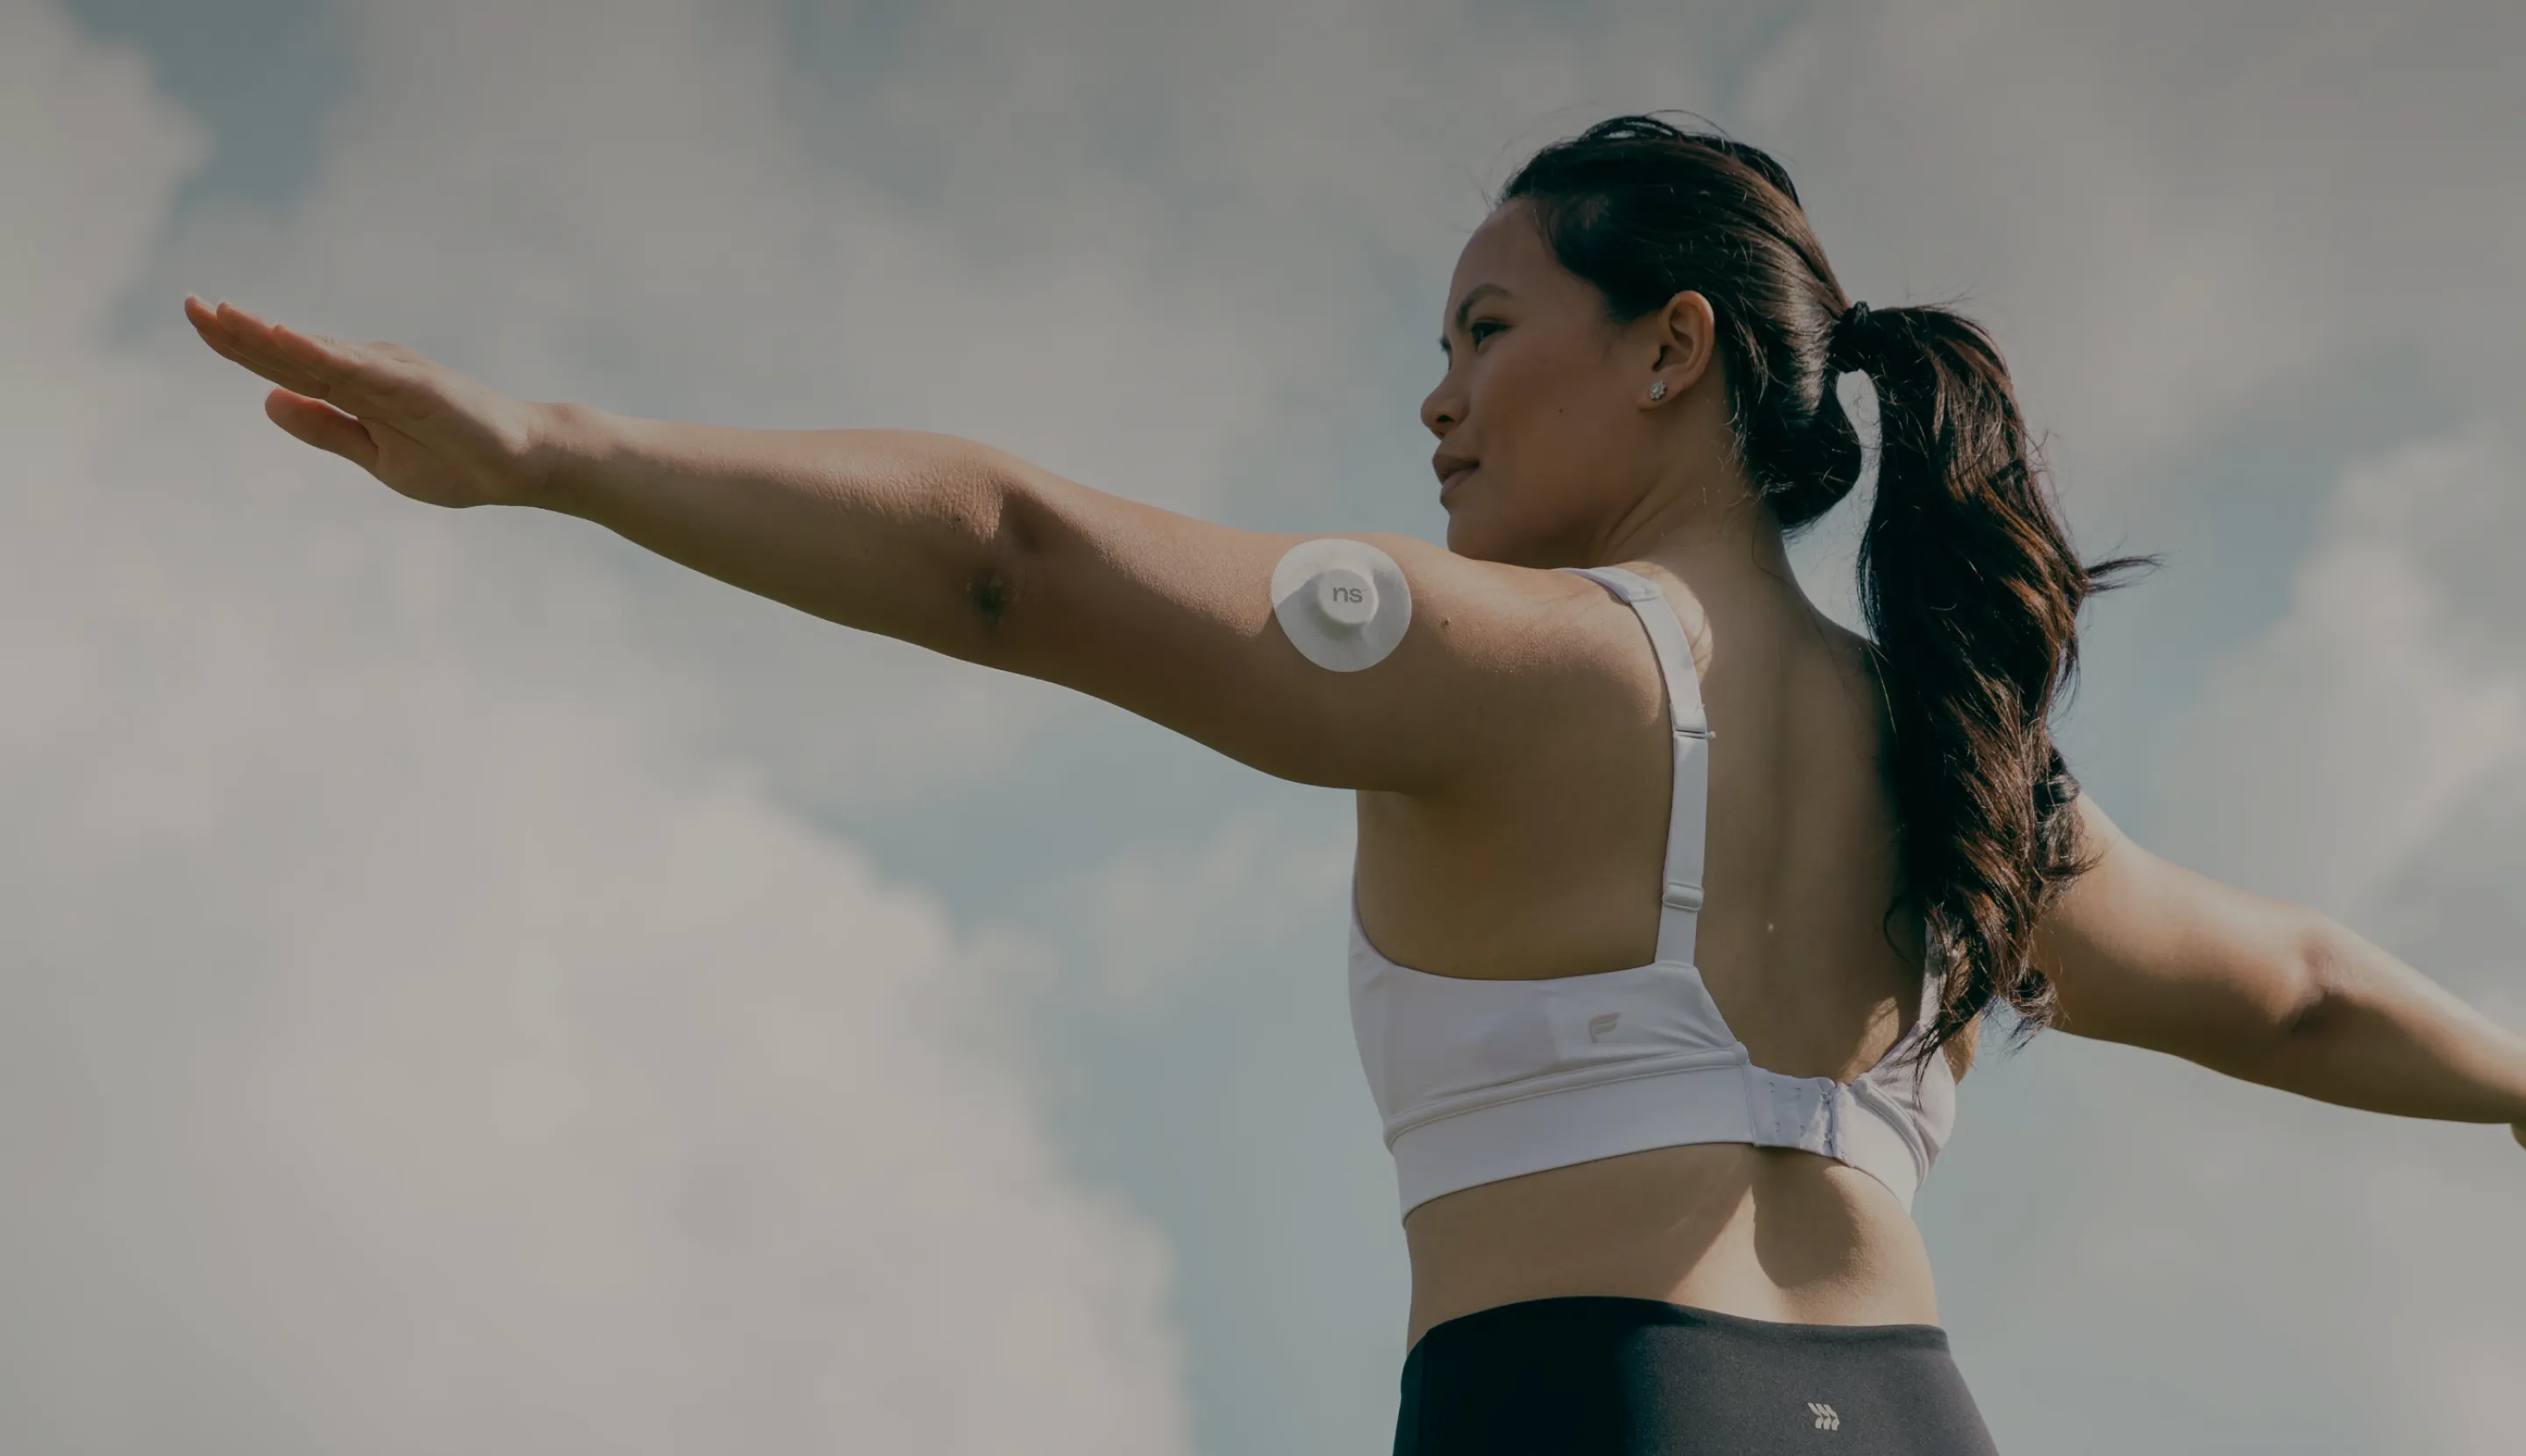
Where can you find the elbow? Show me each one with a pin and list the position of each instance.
(2321, 946)
(1002, 573)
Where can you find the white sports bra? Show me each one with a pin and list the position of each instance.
(1482, 1080)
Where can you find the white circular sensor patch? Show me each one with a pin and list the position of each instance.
(1343, 603)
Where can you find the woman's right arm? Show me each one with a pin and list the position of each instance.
(963, 549)
(2147, 953)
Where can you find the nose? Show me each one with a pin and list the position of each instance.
(1441, 408)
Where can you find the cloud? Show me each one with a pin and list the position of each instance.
(1147, 915)
(2166, 211)
(2327, 754)
(624, 204)
(416, 1042)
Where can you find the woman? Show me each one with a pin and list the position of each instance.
(1676, 904)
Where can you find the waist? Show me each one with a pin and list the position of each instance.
(1679, 1224)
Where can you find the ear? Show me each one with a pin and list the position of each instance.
(1684, 338)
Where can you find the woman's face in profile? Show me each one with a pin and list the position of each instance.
(1541, 396)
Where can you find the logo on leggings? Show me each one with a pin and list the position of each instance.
(1826, 1420)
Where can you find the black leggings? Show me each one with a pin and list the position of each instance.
(1599, 1376)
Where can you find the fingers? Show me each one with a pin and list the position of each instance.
(303, 364)
(226, 330)
(291, 353)
(294, 380)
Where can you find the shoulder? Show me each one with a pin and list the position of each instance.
(1532, 655)
(1533, 621)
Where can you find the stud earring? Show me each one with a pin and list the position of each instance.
(1658, 390)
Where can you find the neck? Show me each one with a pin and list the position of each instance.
(1716, 536)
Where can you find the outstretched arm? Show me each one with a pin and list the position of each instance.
(2145, 952)
(972, 552)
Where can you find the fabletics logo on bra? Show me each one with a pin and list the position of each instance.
(1598, 1025)
(1826, 1420)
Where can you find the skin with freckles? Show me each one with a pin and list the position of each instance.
(1510, 758)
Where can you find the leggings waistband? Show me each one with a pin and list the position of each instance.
(1610, 1375)
(1626, 1312)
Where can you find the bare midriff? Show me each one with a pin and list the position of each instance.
(1767, 1233)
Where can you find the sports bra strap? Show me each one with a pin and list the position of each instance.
(1689, 806)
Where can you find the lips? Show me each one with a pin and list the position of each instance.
(1455, 476)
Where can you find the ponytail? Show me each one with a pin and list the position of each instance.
(1971, 593)
(1967, 578)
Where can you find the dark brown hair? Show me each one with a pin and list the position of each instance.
(1966, 574)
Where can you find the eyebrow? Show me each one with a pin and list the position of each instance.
(1465, 305)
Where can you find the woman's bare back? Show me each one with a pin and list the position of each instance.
(1553, 872)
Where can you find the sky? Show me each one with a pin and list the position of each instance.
(475, 985)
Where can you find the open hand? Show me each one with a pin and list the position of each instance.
(425, 429)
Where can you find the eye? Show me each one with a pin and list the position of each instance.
(1473, 331)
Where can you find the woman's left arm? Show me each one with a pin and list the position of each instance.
(2145, 952)
(2382, 1037)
